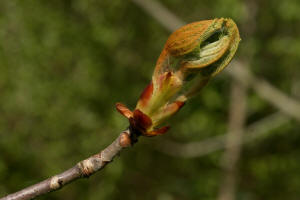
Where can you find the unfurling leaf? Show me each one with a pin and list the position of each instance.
(200, 49)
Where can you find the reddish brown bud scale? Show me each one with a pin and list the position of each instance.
(158, 131)
(121, 108)
(145, 96)
(179, 104)
(162, 130)
(174, 107)
(141, 120)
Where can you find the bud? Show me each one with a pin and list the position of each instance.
(197, 51)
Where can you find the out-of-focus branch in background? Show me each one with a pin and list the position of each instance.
(255, 131)
(233, 145)
(265, 90)
(161, 14)
(237, 119)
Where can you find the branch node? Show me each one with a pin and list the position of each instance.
(134, 134)
(86, 167)
(125, 140)
(55, 183)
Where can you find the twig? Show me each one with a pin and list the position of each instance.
(213, 144)
(83, 169)
(264, 89)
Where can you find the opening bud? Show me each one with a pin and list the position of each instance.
(198, 51)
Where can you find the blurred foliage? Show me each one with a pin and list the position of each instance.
(65, 63)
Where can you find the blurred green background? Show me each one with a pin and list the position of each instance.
(65, 63)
